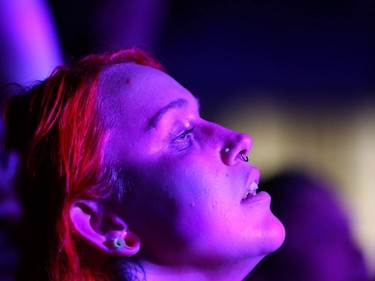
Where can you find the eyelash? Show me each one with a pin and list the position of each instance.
(183, 140)
(184, 134)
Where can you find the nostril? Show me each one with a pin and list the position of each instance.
(242, 147)
(244, 157)
(232, 155)
(236, 148)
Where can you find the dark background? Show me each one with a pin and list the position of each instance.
(312, 53)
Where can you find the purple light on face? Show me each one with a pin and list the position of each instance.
(319, 245)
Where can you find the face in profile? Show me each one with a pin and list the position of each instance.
(319, 245)
(185, 192)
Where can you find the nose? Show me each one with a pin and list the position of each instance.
(236, 148)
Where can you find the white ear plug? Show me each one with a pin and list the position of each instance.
(119, 243)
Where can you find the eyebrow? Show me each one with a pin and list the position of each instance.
(155, 119)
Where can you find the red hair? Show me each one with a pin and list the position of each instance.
(57, 131)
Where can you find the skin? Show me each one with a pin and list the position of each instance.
(319, 245)
(184, 198)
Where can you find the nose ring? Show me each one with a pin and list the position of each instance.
(226, 150)
(244, 158)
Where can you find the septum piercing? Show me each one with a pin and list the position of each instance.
(244, 158)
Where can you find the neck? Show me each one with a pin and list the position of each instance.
(125, 269)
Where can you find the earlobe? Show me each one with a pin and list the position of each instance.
(104, 230)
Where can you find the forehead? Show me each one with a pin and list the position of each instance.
(128, 92)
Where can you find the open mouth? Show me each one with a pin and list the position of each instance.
(251, 191)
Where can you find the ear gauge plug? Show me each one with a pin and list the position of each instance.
(119, 243)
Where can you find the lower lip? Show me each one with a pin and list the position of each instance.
(258, 198)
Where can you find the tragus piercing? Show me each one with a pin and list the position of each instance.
(119, 243)
(226, 150)
(244, 158)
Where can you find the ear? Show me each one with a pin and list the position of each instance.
(103, 229)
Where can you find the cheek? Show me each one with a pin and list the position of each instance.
(203, 201)
(179, 199)
(188, 192)
(158, 197)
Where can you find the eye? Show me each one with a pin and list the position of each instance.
(184, 134)
(183, 140)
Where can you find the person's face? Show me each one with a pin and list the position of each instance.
(185, 192)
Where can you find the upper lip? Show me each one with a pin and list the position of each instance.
(254, 176)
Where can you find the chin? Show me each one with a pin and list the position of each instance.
(267, 241)
(274, 237)
(270, 238)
